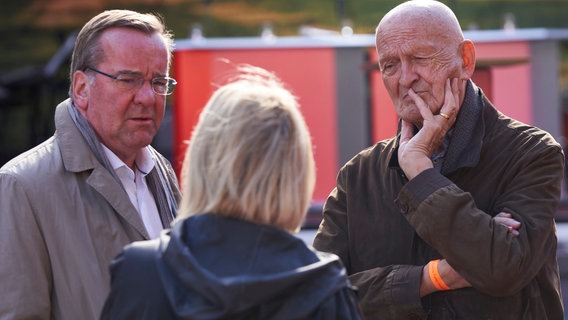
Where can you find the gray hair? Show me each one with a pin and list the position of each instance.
(87, 51)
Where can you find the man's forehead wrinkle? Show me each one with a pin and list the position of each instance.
(420, 17)
(396, 39)
(408, 45)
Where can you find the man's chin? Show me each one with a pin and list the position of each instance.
(140, 142)
(415, 119)
(410, 113)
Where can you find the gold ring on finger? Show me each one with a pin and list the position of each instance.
(447, 117)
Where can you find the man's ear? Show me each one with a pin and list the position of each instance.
(81, 90)
(467, 50)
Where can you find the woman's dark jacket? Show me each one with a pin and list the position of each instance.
(212, 267)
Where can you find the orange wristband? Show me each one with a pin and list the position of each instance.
(435, 276)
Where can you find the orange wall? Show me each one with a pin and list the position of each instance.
(309, 73)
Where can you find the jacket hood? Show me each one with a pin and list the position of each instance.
(214, 267)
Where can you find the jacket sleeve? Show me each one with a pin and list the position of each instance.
(136, 290)
(495, 263)
(24, 267)
(391, 292)
(343, 305)
(115, 303)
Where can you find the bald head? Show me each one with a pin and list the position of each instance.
(428, 16)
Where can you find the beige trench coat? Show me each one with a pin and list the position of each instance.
(63, 218)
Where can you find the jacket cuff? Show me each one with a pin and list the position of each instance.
(405, 289)
(420, 188)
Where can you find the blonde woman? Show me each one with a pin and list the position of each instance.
(247, 179)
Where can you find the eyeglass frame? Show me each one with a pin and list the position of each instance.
(171, 81)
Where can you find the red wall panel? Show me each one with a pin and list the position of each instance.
(309, 73)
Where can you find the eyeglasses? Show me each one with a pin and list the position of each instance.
(160, 85)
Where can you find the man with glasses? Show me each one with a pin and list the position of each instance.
(69, 205)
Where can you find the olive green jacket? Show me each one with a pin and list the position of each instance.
(386, 228)
(63, 218)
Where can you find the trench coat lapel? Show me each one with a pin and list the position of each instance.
(78, 157)
(101, 180)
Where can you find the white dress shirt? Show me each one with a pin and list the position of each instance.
(134, 182)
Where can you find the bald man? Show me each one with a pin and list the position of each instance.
(453, 218)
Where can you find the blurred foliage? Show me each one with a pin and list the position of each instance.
(31, 31)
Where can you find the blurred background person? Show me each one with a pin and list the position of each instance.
(248, 178)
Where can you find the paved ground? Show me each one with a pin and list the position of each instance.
(562, 228)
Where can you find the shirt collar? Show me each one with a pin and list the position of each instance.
(145, 162)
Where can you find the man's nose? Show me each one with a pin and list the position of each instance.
(145, 94)
(407, 75)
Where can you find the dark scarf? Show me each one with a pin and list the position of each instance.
(466, 140)
(156, 179)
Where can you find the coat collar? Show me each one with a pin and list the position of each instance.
(78, 158)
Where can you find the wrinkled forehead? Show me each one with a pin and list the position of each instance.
(409, 35)
(424, 18)
(412, 28)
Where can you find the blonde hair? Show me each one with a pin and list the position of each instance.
(250, 155)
